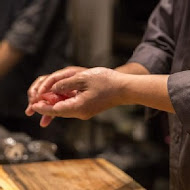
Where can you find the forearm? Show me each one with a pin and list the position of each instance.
(148, 90)
(132, 68)
(9, 57)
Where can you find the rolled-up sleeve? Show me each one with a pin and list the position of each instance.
(179, 92)
(156, 53)
(157, 48)
(28, 30)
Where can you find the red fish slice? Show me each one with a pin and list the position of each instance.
(53, 98)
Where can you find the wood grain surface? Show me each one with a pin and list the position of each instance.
(87, 174)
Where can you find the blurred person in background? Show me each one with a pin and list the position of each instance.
(34, 40)
(157, 76)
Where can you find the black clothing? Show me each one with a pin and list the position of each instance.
(165, 49)
(8, 11)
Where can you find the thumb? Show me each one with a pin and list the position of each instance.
(68, 85)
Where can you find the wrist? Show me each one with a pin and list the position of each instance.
(147, 90)
(126, 90)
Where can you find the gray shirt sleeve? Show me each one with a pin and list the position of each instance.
(157, 47)
(28, 30)
(156, 54)
(179, 92)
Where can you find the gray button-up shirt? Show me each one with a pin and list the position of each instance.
(165, 49)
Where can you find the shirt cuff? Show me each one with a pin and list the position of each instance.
(152, 58)
(179, 92)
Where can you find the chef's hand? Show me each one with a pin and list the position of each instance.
(43, 84)
(97, 89)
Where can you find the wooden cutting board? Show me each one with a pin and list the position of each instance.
(87, 174)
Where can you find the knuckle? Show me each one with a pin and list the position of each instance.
(81, 81)
(53, 78)
(29, 92)
(40, 78)
(68, 67)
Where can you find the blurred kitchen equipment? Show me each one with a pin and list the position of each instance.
(19, 148)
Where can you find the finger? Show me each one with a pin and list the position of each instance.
(61, 109)
(29, 111)
(45, 120)
(53, 78)
(68, 85)
(43, 108)
(33, 90)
